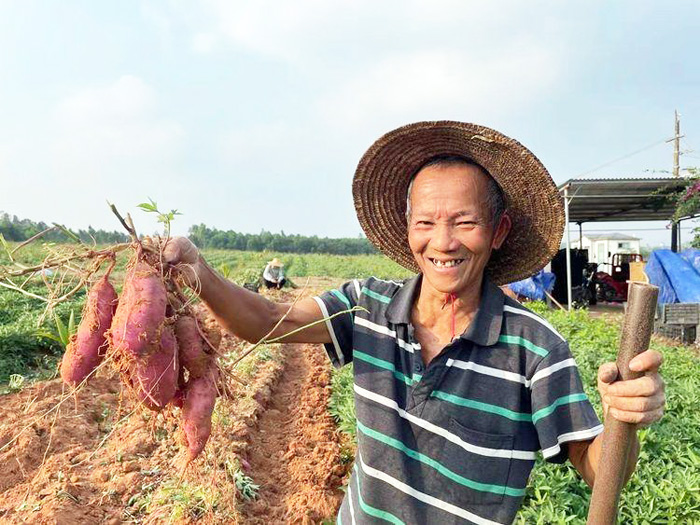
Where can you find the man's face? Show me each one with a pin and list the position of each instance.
(449, 230)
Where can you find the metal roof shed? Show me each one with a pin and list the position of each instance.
(633, 199)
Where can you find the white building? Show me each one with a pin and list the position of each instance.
(602, 246)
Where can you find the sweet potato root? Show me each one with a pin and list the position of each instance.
(87, 346)
(154, 377)
(198, 407)
(191, 346)
(137, 324)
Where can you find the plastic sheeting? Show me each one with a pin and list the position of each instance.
(535, 286)
(676, 274)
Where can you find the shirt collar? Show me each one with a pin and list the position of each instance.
(484, 328)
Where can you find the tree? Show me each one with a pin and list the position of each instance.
(687, 202)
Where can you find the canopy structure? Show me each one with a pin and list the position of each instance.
(606, 200)
(620, 199)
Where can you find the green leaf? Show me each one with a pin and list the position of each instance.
(48, 335)
(62, 331)
(147, 207)
(71, 323)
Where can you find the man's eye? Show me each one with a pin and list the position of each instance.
(466, 223)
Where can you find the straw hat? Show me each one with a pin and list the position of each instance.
(534, 205)
(276, 263)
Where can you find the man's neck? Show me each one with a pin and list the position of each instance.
(433, 306)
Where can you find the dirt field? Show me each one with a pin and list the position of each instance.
(91, 458)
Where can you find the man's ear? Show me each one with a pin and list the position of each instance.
(502, 231)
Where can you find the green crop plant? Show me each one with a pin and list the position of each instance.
(63, 331)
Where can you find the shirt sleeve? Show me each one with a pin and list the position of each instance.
(341, 326)
(266, 274)
(561, 411)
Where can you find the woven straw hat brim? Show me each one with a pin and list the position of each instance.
(534, 204)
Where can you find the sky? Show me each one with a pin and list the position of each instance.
(253, 115)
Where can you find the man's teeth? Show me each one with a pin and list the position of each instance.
(447, 264)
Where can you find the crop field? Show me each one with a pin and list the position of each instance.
(283, 438)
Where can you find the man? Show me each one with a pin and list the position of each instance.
(457, 388)
(273, 275)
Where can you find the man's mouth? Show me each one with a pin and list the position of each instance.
(446, 264)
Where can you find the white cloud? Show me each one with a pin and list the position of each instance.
(443, 84)
(100, 143)
(117, 126)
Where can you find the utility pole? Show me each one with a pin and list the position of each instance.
(676, 173)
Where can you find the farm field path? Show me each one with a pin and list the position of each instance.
(294, 451)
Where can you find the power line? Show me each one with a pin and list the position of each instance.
(635, 229)
(620, 158)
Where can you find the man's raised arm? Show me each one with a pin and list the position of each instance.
(241, 312)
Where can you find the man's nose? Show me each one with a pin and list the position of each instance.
(443, 239)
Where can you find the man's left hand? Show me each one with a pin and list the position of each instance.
(640, 401)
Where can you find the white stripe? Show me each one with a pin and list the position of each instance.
(545, 372)
(375, 327)
(487, 370)
(528, 313)
(352, 510)
(511, 376)
(422, 496)
(430, 427)
(358, 288)
(580, 435)
(324, 312)
(388, 281)
(385, 331)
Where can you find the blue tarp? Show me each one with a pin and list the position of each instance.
(535, 286)
(676, 274)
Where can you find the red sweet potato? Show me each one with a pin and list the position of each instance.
(198, 407)
(87, 347)
(191, 346)
(154, 377)
(136, 327)
(179, 397)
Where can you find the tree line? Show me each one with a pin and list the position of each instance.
(205, 237)
(18, 230)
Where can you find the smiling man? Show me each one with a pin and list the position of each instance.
(457, 388)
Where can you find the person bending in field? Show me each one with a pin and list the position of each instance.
(273, 275)
(457, 387)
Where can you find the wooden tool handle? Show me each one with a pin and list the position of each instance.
(617, 436)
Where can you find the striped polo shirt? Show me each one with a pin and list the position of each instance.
(453, 442)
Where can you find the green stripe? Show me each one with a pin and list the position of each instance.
(529, 345)
(373, 511)
(386, 365)
(565, 400)
(442, 469)
(375, 295)
(483, 407)
(342, 297)
(339, 521)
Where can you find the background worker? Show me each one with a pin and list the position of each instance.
(457, 387)
(273, 275)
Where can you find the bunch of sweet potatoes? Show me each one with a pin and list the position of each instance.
(155, 341)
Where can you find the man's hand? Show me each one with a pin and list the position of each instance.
(640, 401)
(181, 253)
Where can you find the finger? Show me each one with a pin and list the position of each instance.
(636, 404)
(607, 373)
(637, 418)
(648, 361)
(642, 386)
